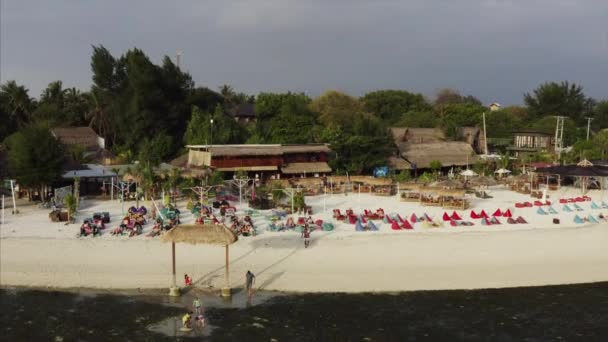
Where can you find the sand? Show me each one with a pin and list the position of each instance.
(36, 252)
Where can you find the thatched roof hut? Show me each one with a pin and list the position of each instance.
(194, 234)
(371, 180)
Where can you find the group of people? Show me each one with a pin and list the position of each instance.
(199, 317)
(244, 227)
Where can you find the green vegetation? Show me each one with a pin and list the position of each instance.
(147, 112)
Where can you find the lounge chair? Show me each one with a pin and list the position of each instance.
(485, 222)
(454, 223)
(359, 226)
(604, 205)
(595, 206)
(510, 220)
(538, 203)
(494, 220)
(577, 207)
(474, 215)
(352, 219)
(338, 216)
(414, 218)
(497, 212)
(578, 219)
(446, 217)
(567, 209)
(551, 210)
(483, 214)
(507, 213)
(540, 211)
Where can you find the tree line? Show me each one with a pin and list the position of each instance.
(148, 112)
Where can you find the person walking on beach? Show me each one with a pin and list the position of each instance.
(250, 279)
(197, 306)
(306, 236)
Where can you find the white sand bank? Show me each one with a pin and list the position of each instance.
(35, 252)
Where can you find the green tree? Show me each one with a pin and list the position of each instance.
(553, 98)
(502, 124)
(600, 115)
(425, 119)
(390, 105)
(283, 118)
(224, 129)
(460, 115)
(18, 103)
(154, 151)
(35, 157)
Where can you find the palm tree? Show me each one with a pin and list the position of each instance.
(54, 93)
(97, 115)
(19, 102)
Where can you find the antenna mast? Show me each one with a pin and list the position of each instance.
(559, 136)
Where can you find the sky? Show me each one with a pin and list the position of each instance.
(495, 50)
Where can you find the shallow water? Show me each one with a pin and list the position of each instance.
(550, 313)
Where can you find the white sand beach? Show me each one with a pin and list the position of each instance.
(37, 252)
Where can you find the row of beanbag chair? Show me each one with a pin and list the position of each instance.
(575, 199)
(590, 219)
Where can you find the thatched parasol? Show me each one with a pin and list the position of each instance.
(483, 181)
(129, 177)
(194, 234)
(449, 184)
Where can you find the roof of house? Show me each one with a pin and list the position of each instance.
(313, 167)
(181, 161)
(84, 136)
(398, 163)
(261, 150)
(244, 110)
(449, 153)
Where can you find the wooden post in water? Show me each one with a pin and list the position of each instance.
(226, 290)
(173, 290)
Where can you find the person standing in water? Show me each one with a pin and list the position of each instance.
(250, 279)
(197, 306)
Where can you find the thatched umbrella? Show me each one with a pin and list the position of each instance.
(194, 234)
(449, 184)
(483, 181)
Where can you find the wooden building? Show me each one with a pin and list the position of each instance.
(263, 161)
(525, 142)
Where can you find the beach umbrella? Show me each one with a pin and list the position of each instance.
(468, 173)
(196, 234)
(502, 171)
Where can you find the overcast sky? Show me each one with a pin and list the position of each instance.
(492, 49)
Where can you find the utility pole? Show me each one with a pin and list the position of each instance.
(179, 54)
(588, 126)
(485, 137)
(559, 136)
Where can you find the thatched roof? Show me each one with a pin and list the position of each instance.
(208, 234)
(308, 181)
(371, 180)
(449, 183)
(312, 167)
(398, 163)
(84, 136)
(262, 149)
(181, 161)
(448, 153)
(195, 173)
(483, 180)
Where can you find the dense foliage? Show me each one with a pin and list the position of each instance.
(147, 112)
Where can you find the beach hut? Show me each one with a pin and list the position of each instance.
(196, 234)
(410, 192)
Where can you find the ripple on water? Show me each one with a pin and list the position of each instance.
(172, 327)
